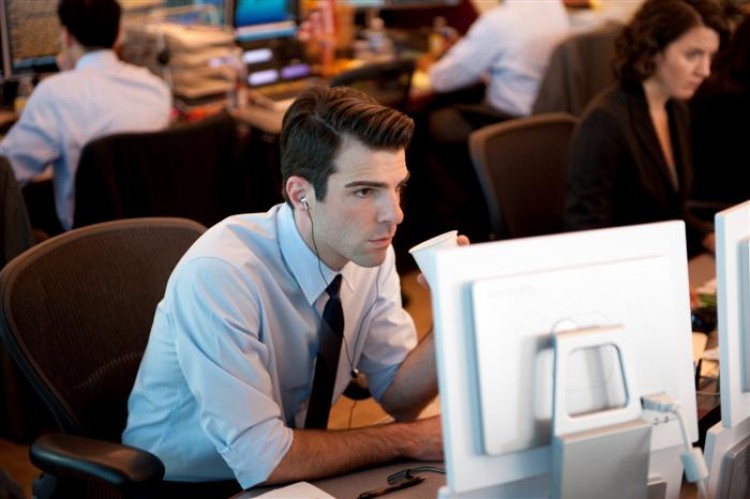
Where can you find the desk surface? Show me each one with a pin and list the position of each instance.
(701, 269)
(353, 484)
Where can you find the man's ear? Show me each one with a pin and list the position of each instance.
(298, 188)
(66, 39)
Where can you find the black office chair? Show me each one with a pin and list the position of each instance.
(75, 314)
(580, 67)
(15, 226)
(16, 236)
(521, 165)
(389, 82)
(188, 170)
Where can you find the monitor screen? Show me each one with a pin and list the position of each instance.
(266, 32)
(31, 36)
(264, 19)
(497, 306)
(198, 12)
(733, 310)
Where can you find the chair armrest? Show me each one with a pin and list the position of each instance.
(123, 466)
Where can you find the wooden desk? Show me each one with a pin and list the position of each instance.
(701, 269)
(262, 118)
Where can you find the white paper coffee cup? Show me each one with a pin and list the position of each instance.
(424, 252)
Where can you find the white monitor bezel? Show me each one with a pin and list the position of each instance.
(467, 468)
(732, 234)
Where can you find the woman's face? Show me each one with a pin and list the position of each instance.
(683, 64)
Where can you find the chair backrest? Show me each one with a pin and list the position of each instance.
(15, 227)
(521, 165)
(389, 82)
(76, 312)
(189, 170)
(580, 67)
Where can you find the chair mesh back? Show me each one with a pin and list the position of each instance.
(521, 165)
(190, 170)
(77, 311)
(15, 226)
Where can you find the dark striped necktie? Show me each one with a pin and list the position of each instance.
(329, 348)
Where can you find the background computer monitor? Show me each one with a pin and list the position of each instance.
(264, 19)
(199, 12)
(496, 305)
(266, 31)
(733, 309)
(31, 36)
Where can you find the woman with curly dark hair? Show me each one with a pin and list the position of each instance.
(630, 159)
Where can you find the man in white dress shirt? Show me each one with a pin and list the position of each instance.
(95, 95)
(508, 48)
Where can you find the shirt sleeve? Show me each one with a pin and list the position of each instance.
(391, 334)
(470, 58)
(34, 141)
(216, 324)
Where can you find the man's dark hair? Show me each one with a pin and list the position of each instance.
(319, 120)
(657, 24)
(93, 23)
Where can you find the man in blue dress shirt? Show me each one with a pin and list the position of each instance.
(223, 389)
(95, 94)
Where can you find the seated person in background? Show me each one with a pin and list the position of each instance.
(224, 386)
(630, 158)
(720, 111)
(95, 95)
(508, 47)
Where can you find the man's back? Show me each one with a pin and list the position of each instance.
(511, 44)
(100, 97)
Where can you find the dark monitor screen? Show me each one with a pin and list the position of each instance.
(30, 36)
(264, 19)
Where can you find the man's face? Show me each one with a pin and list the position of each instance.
(358, 218)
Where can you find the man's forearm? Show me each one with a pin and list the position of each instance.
(415, 384)
(319, 453)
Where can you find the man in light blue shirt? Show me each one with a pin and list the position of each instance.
(95, 95)
(223, 388)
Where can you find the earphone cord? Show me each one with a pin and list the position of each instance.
(322, 275)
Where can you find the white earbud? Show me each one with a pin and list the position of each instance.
(304, 202)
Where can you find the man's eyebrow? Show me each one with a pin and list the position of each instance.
(366, 183)
(373, 183)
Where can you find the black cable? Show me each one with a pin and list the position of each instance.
(411, 473)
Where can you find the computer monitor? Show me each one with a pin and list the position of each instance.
(199, 12)
(496, 305)
(256, 20)
(30, 33)
(733, 309)
(266, 32)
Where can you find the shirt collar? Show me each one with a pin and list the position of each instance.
(302, 262)
(97, 58)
